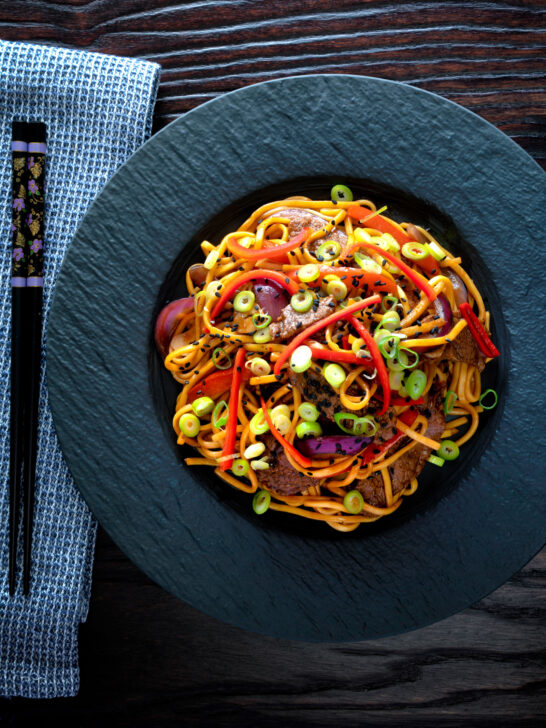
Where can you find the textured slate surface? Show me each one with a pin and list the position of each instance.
(175, 529)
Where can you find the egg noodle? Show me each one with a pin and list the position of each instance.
(228, 363)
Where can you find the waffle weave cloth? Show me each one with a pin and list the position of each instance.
(98, 110)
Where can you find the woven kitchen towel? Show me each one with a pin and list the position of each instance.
(98, 111)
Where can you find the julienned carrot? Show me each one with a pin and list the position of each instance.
(275, 251)
(377, 360)
(231, 424)
(298, 457)
(215, 384)
(318, 325)
(321, 352)
(415, 278)
(249, 275)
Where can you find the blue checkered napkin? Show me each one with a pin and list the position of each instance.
(98, 111)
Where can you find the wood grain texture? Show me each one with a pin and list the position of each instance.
(487, 56)
(146, 658)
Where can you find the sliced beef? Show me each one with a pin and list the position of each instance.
(387, 428)
(281, 477)
(292, 323)
(409, 465)
(372, 490)
(300, 219)
(316, 389)
(464, 348)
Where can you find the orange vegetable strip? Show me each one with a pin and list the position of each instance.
(275, 251)
(298, 457)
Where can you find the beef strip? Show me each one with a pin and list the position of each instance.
(306, 218)
(409, 465)
(464, 348)
(292, 323)
(281, 477)
(316, 389)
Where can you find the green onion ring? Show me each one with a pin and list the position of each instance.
(485, 394)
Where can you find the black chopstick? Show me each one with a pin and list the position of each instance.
(18, 288)
(27, 288)
(34, 294)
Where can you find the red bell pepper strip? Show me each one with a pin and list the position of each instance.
(231, 424)
(251, 275)
(416, 278)
(377, 222)
(276, 251)
(375, 449)
(298, 457)
(485, 345)
(318, 325)
(352, 277)
(321, 352)
(377, 360)
(215, 384)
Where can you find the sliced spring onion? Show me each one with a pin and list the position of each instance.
(261, 320)
(337, 289)
(361, 236)
(211, 259)
(308, 273)
(212, 289)
(353, 501)
(390, 320)
(387, 242)
(360, 425)
(262, 336)
(244, 301)
(414, 251)
(257, 424)
(202, 406)
(189, 425)
(259, 465)
(280, 409)
(282, 423)
(395, 378)
(435, 460)
(308, 428)
(334, 374)
(489, 393)
(261, 501)
(300, 359)
(416, 383)
(341, 193)
(366, 426)
(435, 250)
(402, 391)
(240, 467)
(357, 345)
(221, 407)
(366, 263)
(448, 450)
(407, 358)
(394, 365)
(449, 402)
(328, 250)
(221, 359)
(308, 412)
(254, 451)
(388, 302)
(258, 366)
(302, 301)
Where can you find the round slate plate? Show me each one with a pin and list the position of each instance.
(471, 525)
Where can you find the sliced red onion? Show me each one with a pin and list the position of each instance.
(333, 445)
(443, 309)
(167, 320)
(271, 297)
(459, 289)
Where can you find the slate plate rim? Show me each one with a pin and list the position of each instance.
(57, 405)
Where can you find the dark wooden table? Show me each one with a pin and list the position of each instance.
(146, 658)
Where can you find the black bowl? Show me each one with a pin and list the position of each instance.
(470, 525)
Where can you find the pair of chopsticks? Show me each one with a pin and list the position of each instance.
(28, 166)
